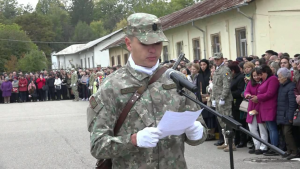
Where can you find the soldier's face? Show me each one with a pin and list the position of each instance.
(143, 55)
(218, 62)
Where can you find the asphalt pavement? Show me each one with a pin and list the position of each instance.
(53, 135)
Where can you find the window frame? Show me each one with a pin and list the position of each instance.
(239, 42)
(177, 50)
(213, 45)
(194, 49)
(165, 54)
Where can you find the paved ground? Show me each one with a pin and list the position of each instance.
(53, 135)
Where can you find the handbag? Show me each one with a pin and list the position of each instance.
(15, 90)
(296, 119)
(244, 106)
(107, 163)
(45, 87)
(57, 87)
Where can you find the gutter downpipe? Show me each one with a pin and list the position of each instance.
(252, 28)
(204, 37)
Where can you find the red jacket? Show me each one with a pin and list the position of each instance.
(40, 83)
(23, 85)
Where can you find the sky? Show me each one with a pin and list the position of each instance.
(25, 2)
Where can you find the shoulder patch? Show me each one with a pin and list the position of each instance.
(129, 90)
(93, 102)
(169, 86)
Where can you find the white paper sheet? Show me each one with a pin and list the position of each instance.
(175, 123)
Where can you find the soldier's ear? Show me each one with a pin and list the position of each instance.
(128, 43)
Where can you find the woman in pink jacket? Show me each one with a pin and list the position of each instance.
(267, 98)
(253, 116)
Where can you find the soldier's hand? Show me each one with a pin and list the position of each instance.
(221, 102)
(213, 103)
(194, 132)
(148, 137)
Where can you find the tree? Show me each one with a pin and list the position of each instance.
(39, 28)
(33, 61)
(9, 8)
(9, 47)
(44, 6)
(81, 10)
(180, 4)
(12, 64)
(98, 28)
(83, 33)
(109, 12)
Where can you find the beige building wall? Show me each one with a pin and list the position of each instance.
(115, 52)
(276, 27)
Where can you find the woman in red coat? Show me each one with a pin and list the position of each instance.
(40, 83)
(23, 88)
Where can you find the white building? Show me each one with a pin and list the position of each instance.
(86, 55)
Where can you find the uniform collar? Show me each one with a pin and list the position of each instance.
(220, 65)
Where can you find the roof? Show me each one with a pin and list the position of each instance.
(200, 10)
(81, 47)
(116, 43)
(195, 12)
(70, 50)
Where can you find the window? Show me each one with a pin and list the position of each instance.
(81, 64)
(241, 42)
(125, 58)
(119, 59)
(196, 49)
(216, 43)
(165, 53)
(89, 62)
(85, 63)
(112, 61)
(179, 48)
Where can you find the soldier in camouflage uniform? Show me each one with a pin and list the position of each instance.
(137, 144)
(221, 93)
(74, 79)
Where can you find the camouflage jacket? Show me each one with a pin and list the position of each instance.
(74, 78)
(160, 96)
(221, 84)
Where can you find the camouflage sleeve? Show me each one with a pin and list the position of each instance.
(191, 106)
(226, 83)
(104, 144)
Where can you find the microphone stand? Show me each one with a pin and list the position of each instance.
(231, 125)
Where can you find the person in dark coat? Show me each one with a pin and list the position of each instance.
(237, 88)
(50, 83)
(202, 82)
(286, 106)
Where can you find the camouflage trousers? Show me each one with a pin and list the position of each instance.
(224, 110)
(75, 92)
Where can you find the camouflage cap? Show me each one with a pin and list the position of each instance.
(218, 55)
(146, 27)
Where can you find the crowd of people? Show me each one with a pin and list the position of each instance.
(270, 88)
(17, 87)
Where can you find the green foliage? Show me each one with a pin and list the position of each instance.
(45, 6)
(83, 33)
(39, 28)
(81, 10)
(10, 48)
(33, 61)
(98, 28)
(12, 64)
(109, 12)
(9, 8)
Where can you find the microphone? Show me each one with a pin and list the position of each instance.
(179, 80)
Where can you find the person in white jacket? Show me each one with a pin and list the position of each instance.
(57, 85)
